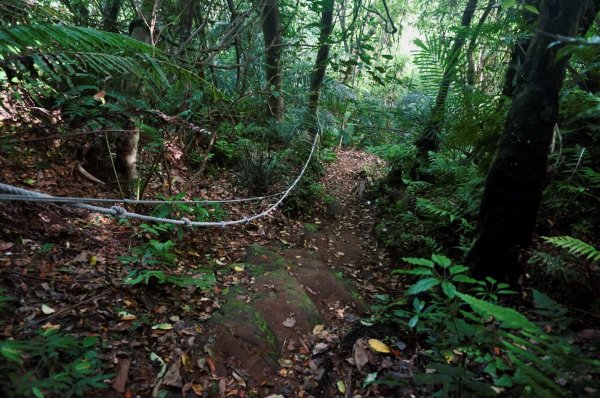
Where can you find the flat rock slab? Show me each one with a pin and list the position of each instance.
(289, 293)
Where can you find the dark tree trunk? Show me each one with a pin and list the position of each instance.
(110, 14)
(318, 73)
(517, 55)
(238, 49)
(429, 140)
(517, 177)
(271, 27)
(187, 8)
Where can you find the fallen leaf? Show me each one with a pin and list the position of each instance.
(126, 316)
(173, 376)
(318, 329)
(47, 310)
(186, 362)
(222, 387)
(238, 268)
(120, 380)
(211, 366)
(341, 386)
(198, 389)
(320, 348)
(239, 379)
(379, 346)
(48, 326)
(360, 354)
(5, 245)
(163, 326)
(163, 366)
(289, 322)
(285, 363)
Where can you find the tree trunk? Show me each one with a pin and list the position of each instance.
(187, 8)
(517, 177)
(128, 144)
(473, 40)
(271, 27)
(318, 73)
(517, 55)
(238, 49)
(429, 140)
(110, 14)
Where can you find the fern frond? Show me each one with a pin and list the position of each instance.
(575, 247)
(58, 52)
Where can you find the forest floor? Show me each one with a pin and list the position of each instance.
(282, 319)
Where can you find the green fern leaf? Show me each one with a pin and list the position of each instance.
(575, 246)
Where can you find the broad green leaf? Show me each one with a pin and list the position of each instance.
(506, 4)
(418, 261)
(423, 285)
(449, 289)
(458, 269)
(89, 341)
(10, 353)
(531, 8)
(418, 305)
(416, 271)
(37, 393)
(413, 321)
(464, 279)
(442, 261)
(370, 379)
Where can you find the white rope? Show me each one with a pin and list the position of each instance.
(72, 199)
(120, 212)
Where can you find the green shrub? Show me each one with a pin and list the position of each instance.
(50, 364)
(477, 347)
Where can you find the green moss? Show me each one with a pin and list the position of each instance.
(353, 292)
(296, 295)
(235, 312)
(308, 227)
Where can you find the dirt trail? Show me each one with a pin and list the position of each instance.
(292, 302)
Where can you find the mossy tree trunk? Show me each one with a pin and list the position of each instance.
(517, 176)
(272, 33)
(318, 72)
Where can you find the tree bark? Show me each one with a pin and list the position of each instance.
(318, 73)
(187, 8)
(238, 49)
(272, 32)
(429, 140)
(110, 14)
(517, 55)
(127, 147)
(473, 40)
(517, 177)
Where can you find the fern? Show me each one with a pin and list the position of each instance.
(575, 247)
(57, 53)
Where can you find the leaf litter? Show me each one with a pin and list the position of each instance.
(63, 264)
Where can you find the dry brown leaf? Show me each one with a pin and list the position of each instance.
(360, 354)
(120, 380)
